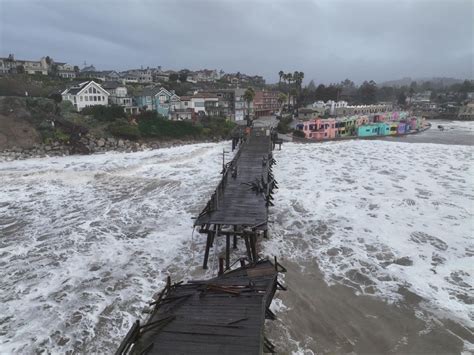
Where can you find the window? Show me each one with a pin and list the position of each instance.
(95, 98)
(86, 98)
(80, 98)
(103, 98)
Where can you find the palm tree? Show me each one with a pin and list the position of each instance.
(299, 76)
(248, 97)
(280, 74)
(281, 100)
(289, 78)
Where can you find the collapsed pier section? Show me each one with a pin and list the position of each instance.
(222, 315)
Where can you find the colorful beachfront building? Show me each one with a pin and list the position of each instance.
(393, 128)
(416, 123)
(346, 126)
(403, 128)
(373, 129)
(318, 128)
(380, 124)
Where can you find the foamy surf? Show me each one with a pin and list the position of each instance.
(381, 217)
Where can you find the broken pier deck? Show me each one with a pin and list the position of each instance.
(223, 315)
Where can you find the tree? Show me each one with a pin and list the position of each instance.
(280, 74)
(402, 98)
(311, 86)
(367, 92)
(248, 98)
(289, 78)
(298, 78)
(20, 69)
(173, 77)
(281, 98)
(183, 77)
(76, 69)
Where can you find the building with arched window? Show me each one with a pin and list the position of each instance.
(86, 94)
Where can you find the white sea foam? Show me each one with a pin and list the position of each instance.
(87, 240)
(379, 216)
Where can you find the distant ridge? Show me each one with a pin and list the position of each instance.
(437, 81)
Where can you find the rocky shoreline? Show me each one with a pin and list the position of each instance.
(90, 145)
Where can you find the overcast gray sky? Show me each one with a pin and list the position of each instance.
(328, 40)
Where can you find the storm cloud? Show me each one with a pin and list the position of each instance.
(328, 40)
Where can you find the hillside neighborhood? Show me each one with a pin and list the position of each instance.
(68, 110)
(190, 95)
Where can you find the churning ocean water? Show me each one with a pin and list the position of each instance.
(85, 241)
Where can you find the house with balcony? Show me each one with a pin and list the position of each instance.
(17, 66)
(318, 128)
(88, 93)
(240, 106)
(158, 99)
(346, 126)
(187, 114)
(119, 96)
(265, 103)
(65, 70)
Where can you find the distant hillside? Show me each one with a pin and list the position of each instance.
(437, 82)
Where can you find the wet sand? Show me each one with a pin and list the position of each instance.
(452, 134)
(333, 319)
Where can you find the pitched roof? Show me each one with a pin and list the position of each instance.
(153, 91)
(74, 90)
(111, 85)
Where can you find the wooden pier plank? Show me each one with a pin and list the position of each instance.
(209, 321)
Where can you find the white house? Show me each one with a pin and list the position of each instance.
(65, 70)
(86, 94)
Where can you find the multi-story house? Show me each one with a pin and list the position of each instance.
(362, 109)
(158, 99)
(129, 77)
(318, 128)
(240, 106)
(203, 104)
(265, 103)
(65, 70)
(85, 94)
(119, 96)
(16, 66)
(207, 75)
(226, 99)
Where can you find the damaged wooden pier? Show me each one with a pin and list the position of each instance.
(223, 315)
(239, 206)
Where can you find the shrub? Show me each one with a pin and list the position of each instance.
(66, 107)
(161, 128)
(124, 130)
(283, 125)
(104, 113)
(217, 126)
(298, 133)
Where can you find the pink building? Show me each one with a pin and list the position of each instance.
(361, 120)
(318, 128)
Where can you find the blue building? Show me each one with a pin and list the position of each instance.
(158, 99)
(373, 129)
